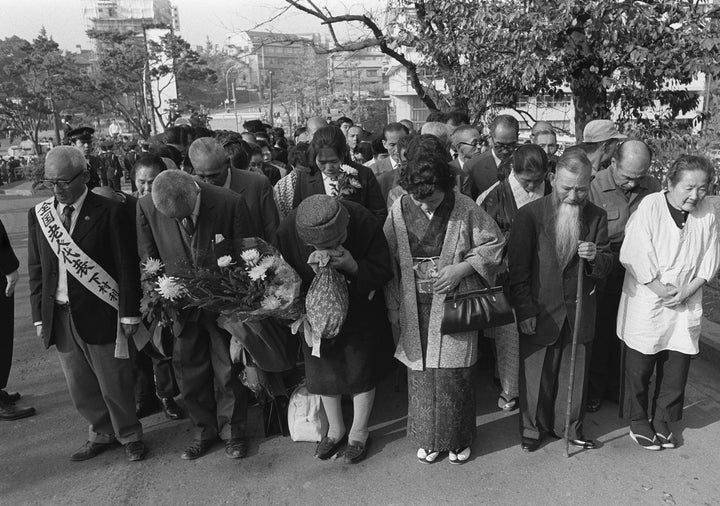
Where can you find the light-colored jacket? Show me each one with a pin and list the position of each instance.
(471, 236)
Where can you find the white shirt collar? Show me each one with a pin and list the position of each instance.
(498, 161)
(228, 179)
(76, 205)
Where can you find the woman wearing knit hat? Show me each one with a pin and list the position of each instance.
(349, 363)
(439, 241)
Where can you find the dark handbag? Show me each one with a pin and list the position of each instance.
(476, 310)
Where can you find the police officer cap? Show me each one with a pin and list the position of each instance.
(81, 134)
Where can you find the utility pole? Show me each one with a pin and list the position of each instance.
(272, 115)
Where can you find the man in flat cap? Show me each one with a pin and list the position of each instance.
(600, 140)
(188, 224)
(85, 299)
(82, 138)
(212, 166)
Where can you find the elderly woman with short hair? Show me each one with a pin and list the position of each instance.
(440, 241)
(670, 251)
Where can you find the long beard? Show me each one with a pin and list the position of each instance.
(567, 231)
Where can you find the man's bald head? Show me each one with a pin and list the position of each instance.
(174, 193)
(541, 127)
(630, 164)
(207, 152)
(314, 124)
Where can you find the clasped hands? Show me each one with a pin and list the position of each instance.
(670, 295)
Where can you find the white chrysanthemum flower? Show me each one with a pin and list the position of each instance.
(271, 302)
(153, 266)
(267, 262)
(349, 170)
(355, 183)
(257, 273)
(225, 261)
(169, 288)
(250, 256)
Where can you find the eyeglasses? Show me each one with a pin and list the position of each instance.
(472, 144)
(256, 165)
(60, 183)
(510, 146)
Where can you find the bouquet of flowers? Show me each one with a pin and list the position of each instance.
(162, 297)
(248, 290)
(347, 182)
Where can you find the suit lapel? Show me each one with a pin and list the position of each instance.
(87, 218)
(204, 225)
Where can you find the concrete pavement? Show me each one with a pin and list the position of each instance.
(35, 466)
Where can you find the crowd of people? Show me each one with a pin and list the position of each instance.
(408, 219)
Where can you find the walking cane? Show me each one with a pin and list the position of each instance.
(576, 331)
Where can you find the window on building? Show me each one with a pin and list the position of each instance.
(419, 110)
(372, 73)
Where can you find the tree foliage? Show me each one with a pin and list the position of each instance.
(36, 79)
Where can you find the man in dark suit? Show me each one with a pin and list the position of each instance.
(483, 167)
(212, 166)
(466, 141)
(187, 224)
(387, 169)
(548, 238)
(84, 305)
(8, 279)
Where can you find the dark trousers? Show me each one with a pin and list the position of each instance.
(544, 377)
(215, 399)
(7, 334)
(101, 386)
(605, 360)
(671, 372)
(155, 378)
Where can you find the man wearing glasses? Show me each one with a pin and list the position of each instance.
(212, 166)
(483, 167)
(466, 141)
(85, 299)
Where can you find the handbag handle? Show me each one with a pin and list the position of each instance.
(483, 282)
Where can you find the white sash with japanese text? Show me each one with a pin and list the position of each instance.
(83, 268)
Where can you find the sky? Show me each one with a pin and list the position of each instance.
(198, 18)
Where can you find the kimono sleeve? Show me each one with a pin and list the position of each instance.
(392, 288)
(487, 246)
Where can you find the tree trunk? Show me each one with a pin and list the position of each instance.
(590, 100)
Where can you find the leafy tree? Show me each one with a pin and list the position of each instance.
(36, 78)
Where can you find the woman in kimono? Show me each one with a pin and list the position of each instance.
(670, 251)
(439, 241)
(526, 183)
(351, 362)
(331, 172)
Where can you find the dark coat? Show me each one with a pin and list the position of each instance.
(539, 285)
(104, 232)
(387, 181)
(8, 261)
(352, 361)
(310, 182)
(483, 173)
(501, 206)
(258, 195)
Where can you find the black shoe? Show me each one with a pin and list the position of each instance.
(328, 447)
(355, 452)
(12, 412)
(171, 409)
(587, 444)
(135, 451)
(236, 448)
(147, 408)
(7, 398)
(593, 405)
(90, 450)
(529, 445)
(197, 449)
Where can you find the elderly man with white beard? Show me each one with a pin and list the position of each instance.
(547, 240)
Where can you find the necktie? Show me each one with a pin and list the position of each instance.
(67, 216)
(334, 188)
(188, 225)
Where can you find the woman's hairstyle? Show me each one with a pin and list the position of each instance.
(690, 163)
(297, 156)
(365, 149)
(529, 158)
(279, 155)
(427, 168)
(150, 161)
(329, 137)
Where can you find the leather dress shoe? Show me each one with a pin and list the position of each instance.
(7, 398)
(197, 449)
(236, 448)
(355, 452)
(529, 445)
(171, 409)
(90, 450)
(587, 444)
(328, 447)
(9, 411)
(135, 451)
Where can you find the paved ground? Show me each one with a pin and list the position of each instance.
(34, 465)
